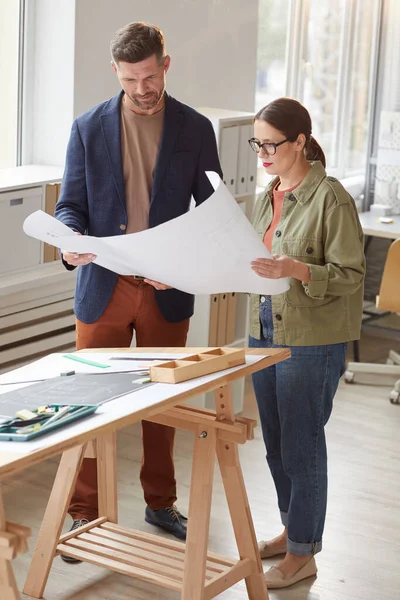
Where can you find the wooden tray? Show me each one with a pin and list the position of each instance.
(197, 365)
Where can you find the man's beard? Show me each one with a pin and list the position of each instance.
(149, 103)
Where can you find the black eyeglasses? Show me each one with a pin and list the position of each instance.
(268, 147)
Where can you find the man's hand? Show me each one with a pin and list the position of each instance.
(281, 266)
(157, 285)
(76, 260)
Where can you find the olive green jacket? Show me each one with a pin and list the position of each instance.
(319, 226)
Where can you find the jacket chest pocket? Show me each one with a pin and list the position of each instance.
(308, 250)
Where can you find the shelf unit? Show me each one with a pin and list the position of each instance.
(36, 299)
(232, 130)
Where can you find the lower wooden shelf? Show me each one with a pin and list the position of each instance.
(147, 557)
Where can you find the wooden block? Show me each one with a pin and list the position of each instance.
(91, 449)
(197, 365)
(50, 204)
(231, 318)
(222, 316)
(212, 330)
(8, 545)
(21, 533)
(19, 530)
(7, 539)
(8, 553)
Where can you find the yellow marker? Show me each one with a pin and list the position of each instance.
(25, 414)
(29, 429)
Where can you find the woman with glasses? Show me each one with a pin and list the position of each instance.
(310, 225)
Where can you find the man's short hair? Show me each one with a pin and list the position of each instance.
(136, 42)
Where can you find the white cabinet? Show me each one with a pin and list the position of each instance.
(233, 129)
(18, 251)
(36, 315)
(22, 192)
(228, 152)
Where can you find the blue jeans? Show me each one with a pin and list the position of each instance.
(294, 400)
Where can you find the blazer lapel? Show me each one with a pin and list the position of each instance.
(111, 127)
(172, 123)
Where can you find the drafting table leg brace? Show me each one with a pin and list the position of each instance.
(187, 568)
(12, 542)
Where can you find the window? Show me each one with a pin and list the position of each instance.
(271, 55)
(9, 77)
(321, 53)
(318, 86)
(273, 31)
(383, 185)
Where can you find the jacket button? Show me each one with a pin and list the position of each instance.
(122, 227)
(309, 250)
(278, 317)
(292, 197)
(278, 233)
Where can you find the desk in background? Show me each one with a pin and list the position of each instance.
(373, 227)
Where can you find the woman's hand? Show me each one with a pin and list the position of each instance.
(281, 266)
(157, 285)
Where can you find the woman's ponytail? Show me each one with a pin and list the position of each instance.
(314, 151)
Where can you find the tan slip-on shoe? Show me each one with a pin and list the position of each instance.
(266, 551)
(274, 578)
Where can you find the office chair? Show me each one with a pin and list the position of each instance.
(388, 300)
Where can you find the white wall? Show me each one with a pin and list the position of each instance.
(52, 64)
(213, 45)
(9, 25)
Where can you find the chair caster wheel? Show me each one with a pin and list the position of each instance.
(349, 377)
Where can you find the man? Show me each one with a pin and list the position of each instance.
(134, 162)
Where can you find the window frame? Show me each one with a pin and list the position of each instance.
(21, 79)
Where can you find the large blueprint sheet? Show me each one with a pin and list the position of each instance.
(208, 250)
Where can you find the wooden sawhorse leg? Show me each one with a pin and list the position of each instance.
(236, 495)
(199, 514)
(8, 586)
(53, 521)
(207, 443)
(59, 501)
(12, 542)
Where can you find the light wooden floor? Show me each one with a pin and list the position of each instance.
(361, 556)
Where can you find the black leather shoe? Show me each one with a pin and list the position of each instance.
(169, 519)
(68, 559)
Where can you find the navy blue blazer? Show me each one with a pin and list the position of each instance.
(92, 198)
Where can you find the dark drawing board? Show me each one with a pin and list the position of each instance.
(80, 389)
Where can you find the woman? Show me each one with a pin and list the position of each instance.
(310, 224)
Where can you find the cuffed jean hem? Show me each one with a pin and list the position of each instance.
(284, 519)
(303, 549)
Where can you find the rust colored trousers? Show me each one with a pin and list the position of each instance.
(132, 308)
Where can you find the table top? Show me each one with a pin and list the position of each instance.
(119, 413)
(372, 226)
